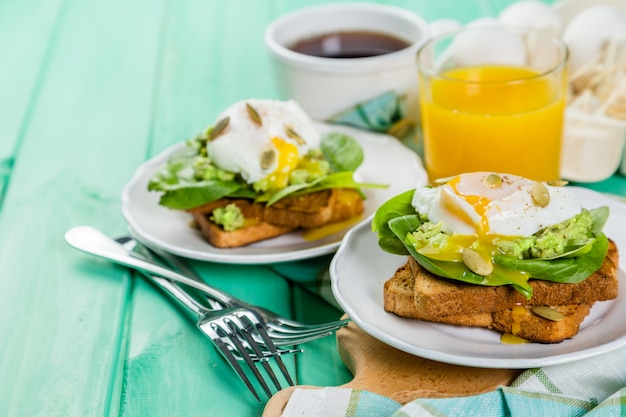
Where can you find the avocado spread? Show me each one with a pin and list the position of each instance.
(229, 217)
(550, 242)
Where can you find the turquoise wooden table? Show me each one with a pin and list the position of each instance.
(88, 91)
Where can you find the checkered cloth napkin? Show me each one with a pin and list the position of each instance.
(591, 387)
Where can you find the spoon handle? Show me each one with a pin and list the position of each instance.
(94, 242)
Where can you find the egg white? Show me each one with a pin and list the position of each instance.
(239, 147)
(466, 206)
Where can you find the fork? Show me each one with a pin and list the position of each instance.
(233, 330)
(281, 333)
(237, 333)
(284, 331)
(278, 326)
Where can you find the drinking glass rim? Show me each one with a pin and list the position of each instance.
(430, 72)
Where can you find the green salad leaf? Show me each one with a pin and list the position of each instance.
(396, 220)
(394, 208)
(189, 178)
(341, 151)
(336, 180)
(197, 194)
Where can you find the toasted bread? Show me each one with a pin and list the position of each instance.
(264, 222)
(416, 293)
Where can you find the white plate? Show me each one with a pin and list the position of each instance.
(386, 161)
(360, 268)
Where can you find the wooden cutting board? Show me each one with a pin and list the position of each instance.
(385, 370)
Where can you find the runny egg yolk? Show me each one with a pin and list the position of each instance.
(481, 241)
(287, 157)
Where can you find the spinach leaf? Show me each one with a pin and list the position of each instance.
(342, 152)
(599, 215)
(197, 194)
(396, 207)
(569, 270)
(183, 188)
(401, 226)
(336, 180)
(396, 218)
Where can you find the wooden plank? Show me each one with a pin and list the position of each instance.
(171, 368)
(27, 30)
(63, 314)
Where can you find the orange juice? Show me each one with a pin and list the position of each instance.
(477, 119)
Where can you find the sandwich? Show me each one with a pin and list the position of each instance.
(260, 171)
(498, 251)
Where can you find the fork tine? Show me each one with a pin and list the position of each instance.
(287, 325)
(246, 330)
(226, 325)
(228, 355)
(253, 319)
(282, 340)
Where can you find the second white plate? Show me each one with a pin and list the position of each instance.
(386, 161)
(360, 268)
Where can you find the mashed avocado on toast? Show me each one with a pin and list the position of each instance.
(262, 170)
(498, 251)
(494, 247)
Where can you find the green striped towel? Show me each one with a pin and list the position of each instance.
(592, 387)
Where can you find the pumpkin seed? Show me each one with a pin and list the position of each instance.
(558, 183)
(540, 194)
(219, 128)
(254, 115)
(548, 313)
(441, 181)
(268, 157)
(476, 263)
(293, 135)
(492, 181)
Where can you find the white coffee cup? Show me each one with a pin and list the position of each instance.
(324, 86)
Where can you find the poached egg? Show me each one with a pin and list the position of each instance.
(263, 139)
(478, 209)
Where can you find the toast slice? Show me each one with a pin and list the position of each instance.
(399, 298)
(436, 297)
(411, 291)
(262, 222)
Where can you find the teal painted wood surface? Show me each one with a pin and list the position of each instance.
(88, 91)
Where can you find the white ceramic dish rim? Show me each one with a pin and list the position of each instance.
(357, 284)
(386, 161)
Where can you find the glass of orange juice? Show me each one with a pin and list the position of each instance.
(493, 99)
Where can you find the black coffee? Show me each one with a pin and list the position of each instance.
(357, 44)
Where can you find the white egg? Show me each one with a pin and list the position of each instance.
(239, 148)
(466, 206)
(444, 26)
(484, 22)
(488, 43)
(532, 14)
(589, 32)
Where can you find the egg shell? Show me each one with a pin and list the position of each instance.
(532, 14)
(589, 31)
(488, 44)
